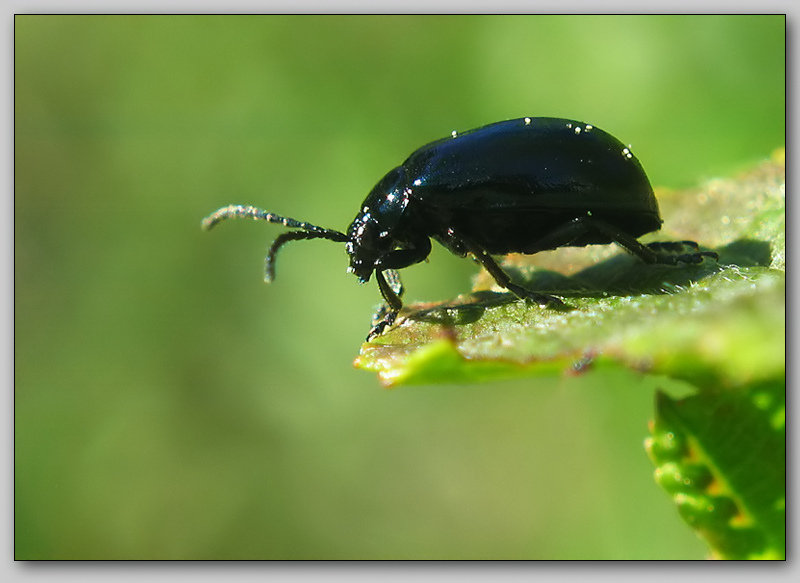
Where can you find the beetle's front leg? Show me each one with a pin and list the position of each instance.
(387, 313)
(390, 285)
(379, 318)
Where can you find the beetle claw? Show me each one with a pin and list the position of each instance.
(379, 325)
(544, 300)
(550, 302)
(674, 252)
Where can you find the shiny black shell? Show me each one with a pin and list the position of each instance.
(506, 185)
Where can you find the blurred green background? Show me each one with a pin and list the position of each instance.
(168, 404)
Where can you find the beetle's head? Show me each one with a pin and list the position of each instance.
(373, 233)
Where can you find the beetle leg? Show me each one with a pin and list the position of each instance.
(380, 315)
(453, 242)
(387, 314)
(566, 233)
(503, 280)
(394, 281)
(400, 258)
(389, 282)
(673, 252)
(630, 244)
(392, 298)
(387, 320)
(663, 253)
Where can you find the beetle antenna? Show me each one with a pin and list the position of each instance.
(308, 231)
(281, 240)
(251, 212)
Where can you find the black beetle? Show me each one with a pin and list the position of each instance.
(518, 186)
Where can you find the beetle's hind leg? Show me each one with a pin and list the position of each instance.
(663, 252)
(666, 253)
(674, 252)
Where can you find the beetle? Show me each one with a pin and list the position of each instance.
(518, 186)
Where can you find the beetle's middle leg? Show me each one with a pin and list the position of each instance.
(503, 279)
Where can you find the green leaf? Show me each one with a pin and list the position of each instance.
(712, 324)
(722, 457)
(721, 326)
